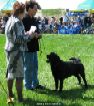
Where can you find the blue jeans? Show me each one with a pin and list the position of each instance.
(30, 70)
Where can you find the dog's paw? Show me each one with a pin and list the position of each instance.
(54, 90)
(86, 87)
(60, 90)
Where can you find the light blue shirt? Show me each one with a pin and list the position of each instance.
(16, 38)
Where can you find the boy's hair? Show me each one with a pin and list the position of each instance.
(31, 4)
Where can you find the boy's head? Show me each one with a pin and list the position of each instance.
(32, 7)
(32, 4)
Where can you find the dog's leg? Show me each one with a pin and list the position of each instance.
(84, 79)
(85, 82)
(56, 84)
(61, 85)
(79, 79)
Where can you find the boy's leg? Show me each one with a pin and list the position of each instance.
(35, 80)
(27, 69)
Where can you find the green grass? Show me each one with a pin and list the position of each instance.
(51, 12)
(65, 46)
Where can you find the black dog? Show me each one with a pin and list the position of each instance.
(62, 70)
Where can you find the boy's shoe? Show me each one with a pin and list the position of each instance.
(41, 87)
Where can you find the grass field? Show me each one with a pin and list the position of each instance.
(65, 46)
(52, 12)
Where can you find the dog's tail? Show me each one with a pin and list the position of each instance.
(75, 60)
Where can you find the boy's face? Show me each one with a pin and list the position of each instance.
(33, 10)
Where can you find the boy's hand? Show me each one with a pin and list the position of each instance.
(38, 36)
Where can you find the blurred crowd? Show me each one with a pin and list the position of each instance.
(69, 23)
(3, 21)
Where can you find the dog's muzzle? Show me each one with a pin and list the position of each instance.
(47, 59)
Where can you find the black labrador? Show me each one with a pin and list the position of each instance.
(64, 69)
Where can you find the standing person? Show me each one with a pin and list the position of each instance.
(30, 56)
(16, 39)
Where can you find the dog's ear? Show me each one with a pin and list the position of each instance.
(58, 57)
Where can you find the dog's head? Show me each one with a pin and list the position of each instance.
(52, 57)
